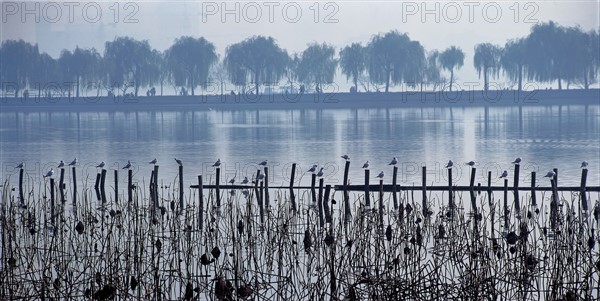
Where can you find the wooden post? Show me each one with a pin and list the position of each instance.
(394, 188)
(266, 192)
(555, 176)
(200, 202)
(129, 186)
(533, 197)
(260, 203)
(218, 188)
(61, 186)
(424, 190)
(516, 191)
(155, 186)
(102, 186)
(367, 194)
(328, 212)
(506, 204)
(21, 193)
(313, 182)
(553, 204)
(74, 186)
(292, 195)
(381, 204)
(472, 190)
(450, 194)
(97, 186)
(52, 201)
(116, 173)
(320, 203)
(347, 211)
(582, 192)
(491, 202)
(180, 188)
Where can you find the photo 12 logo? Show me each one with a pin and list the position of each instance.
(69, 12)
(253, 12)
(470, 11)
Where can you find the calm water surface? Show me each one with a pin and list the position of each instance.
(545, 137)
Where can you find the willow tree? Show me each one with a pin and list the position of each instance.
(487, 62)
(18, 63)
(512, 61)
(189, 61)
(353, 62)
(317, 65)
(129, 61)
(392, 58)
(79, 65)
(257, 59)
(452, 58)
(432, 72)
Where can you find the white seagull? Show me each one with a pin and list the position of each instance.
(550, 174)
(320, 173)
(345, 157)
(584, 164)
(21, 165)
(394, 161)
(50, 173)
(380, 175)
(128, 165)
(366, 165)
(313, 168)
(101, 165)
(517, 160)
(504, 174)
(218, 163)
(179, 162)
(263, 163)
(245, 181)
(153, 161)
(450, 164)
(73, 163)
(61, 164)
(470, 163)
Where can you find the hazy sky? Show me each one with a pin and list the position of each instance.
(294, 24)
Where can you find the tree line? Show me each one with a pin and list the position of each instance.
(549, 53)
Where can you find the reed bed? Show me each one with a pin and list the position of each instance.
(107, 248)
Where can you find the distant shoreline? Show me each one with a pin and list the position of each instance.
(342, 100)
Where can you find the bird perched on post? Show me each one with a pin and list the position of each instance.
(179, 162)
(128, 165)
(450, 164)
(584, 164)
(470, 163)
(218, 163)
(232, 180)
(313, 168)
(49, 173)
(61, 164)
(101, 165)
(504, 174)
(550, 174)
(345, 157)
(245, 181)
(320, 173)
(394, 161)
(263, 163)
(153, 161)
(366, 165)
(380, 175)
(73, 163)
(21, 165)
(517, 161)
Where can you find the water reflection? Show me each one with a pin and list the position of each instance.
(545, 136)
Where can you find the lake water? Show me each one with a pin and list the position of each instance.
(545, 137)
